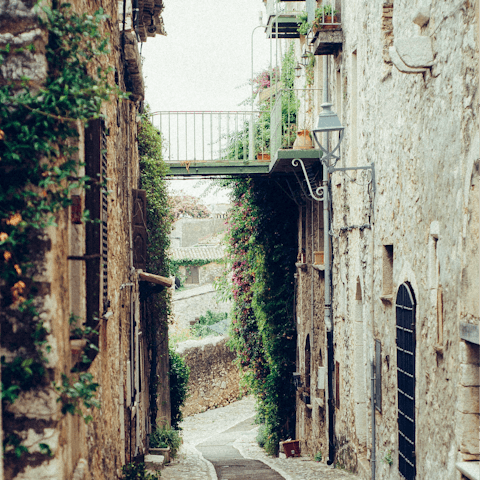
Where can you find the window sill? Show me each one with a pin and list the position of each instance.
(319, 268)
(387, 298)
(302, 266)
(470, 470)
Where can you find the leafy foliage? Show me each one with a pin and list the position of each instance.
(75, 394)
(262, 248)
(183, 205)
(136, 471)
(201, 328)
(165, 437)
(179, 375)
(159, 219)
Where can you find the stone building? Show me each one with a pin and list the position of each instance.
(90, 272)
(392, 389)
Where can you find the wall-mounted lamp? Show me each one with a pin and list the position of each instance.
(304, 58)
(298, 70)
(328, 122)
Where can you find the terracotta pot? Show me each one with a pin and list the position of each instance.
(303, 141)
(328, 22)
(263, 157)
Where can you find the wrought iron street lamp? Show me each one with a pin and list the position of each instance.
(328, 122)
(298, 70)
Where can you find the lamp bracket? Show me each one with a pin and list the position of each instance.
(328, 155)
(366, 167)
(320, 192)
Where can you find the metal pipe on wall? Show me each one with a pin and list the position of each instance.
(328, 300)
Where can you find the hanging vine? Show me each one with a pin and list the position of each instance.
(262, 248)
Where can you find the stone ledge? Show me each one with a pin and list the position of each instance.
(470, 470)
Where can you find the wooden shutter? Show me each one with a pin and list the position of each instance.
(139, 228)
(97, 228)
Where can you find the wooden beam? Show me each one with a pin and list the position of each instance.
(158, 279)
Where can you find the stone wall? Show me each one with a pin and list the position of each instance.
(214, 378)
(192, 303)
(118, 431)
(417, 222)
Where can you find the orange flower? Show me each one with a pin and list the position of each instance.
(3, 236)
(7, 256)
(14, 219)
(17, 269)
(17, 291)
(2, 134)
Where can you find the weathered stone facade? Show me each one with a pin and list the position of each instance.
(118, 431)
(405, 87)
(214, 378)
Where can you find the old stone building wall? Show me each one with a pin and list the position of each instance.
(311, 346)
(415, 223)
(118, 431)
(214, 377)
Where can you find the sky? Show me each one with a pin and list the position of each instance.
(205, 61)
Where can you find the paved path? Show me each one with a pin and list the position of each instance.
(226, 437)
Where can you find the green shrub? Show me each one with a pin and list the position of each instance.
(261, 436)
(136, 471)
(164, 437)
(201, 328)
(179, 375)
(318, 457)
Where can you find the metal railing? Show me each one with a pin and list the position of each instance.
(327, 17)
(211, 136)
(293, 114)
(240, 136)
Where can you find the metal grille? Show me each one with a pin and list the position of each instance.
(405, 313)
(104, 221)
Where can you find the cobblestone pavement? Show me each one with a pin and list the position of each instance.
(204, 427)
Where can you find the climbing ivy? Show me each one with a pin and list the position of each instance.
(262, 248)
(159, 221)
(39, 168)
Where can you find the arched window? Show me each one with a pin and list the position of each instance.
(405, 316)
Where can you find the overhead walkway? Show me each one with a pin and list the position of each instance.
(240, 143)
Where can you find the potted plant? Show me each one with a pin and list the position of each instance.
(304, 25)
(325, 17)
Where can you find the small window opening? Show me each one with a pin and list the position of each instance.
(387, 270)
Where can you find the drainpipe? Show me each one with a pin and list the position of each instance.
(328, 300)
(373, 459)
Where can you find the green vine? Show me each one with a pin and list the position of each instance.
(262, 248)
(75, 394)
(159, 220)
(39, 169)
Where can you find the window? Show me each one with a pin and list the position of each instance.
(96, 231)
(387, 262)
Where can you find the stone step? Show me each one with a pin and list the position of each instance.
(154, 462)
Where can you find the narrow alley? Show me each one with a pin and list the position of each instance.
(221, 444)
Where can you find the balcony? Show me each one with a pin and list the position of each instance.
(242, 143)
(282, 19)
(213, 143)
(327, 29)
(292, 115)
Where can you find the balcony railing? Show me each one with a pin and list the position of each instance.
(240, 137)
(327, 16)
(293, 114)
(211, 136)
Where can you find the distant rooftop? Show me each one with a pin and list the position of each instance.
(198, 253)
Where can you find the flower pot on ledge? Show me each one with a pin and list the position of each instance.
(303, 140)
(263, 157)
